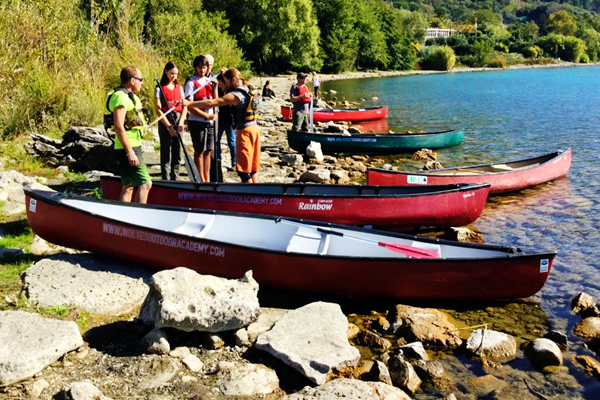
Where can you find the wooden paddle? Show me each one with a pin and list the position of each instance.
(411, 251)
(190, 167)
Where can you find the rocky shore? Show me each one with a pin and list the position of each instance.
(87, 327)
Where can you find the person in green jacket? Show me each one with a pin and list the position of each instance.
(124, 115)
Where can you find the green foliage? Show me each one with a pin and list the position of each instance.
(592, 42)
(339, 39)
(54, 311)
(533, 52)
(181, 37)
(17, 234)
(567, 48)
(438, 58)
(561, 23)
(483, 52)
(497, 61)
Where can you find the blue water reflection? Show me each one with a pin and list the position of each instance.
(510, 115)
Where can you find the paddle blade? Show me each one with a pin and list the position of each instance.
(410, 251)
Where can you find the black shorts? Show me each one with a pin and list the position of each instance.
(203, 135)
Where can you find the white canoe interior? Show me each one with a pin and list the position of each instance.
(268, 234)
(484, 169)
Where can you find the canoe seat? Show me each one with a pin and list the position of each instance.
(308, 240)
(428, 246)
(195, 225)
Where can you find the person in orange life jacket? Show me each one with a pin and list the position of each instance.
(247, 137)
(301, 97)
(201, 119)
(128, 121)
(170, 148)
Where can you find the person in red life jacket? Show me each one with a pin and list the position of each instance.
(201, 119)
(301, 97)
(247, 137)
(124, 116)
(170, 148)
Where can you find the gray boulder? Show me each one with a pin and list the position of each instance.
(350, 389)
(294, 160)
(82, 285)
(493, 345)
(267, 318)
(319, 175)
(183, 299)
(313, 340)
(427, 325)
(543, 353)
(245, 379)
(414, 350)
(31, 342)
(403, 374)
(588, 329)
(584, 305)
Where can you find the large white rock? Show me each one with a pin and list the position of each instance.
(245, 379)
(30, 342)
(494, 345)
(350, 389)
(83, 282)
(183, 299)
(313, 150)
(11, 190)
(313, 340)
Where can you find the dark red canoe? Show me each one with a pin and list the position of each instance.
(339, 114)
(504, 177)
(287, 254)
(397, 208)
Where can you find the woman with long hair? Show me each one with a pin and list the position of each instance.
(170, 128)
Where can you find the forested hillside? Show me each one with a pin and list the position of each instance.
(58, 58)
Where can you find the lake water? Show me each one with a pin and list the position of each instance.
(510, 115)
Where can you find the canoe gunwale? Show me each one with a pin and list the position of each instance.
(434, 189)
(379, 135)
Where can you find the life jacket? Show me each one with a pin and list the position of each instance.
(134, 119)
(301, 90)
(205, 93)
(252, 110)
(173, 96)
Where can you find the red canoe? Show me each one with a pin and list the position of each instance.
(337, 114)
(504, 177)
(397, 208)
(287, 254)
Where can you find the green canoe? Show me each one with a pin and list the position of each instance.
(391, 143)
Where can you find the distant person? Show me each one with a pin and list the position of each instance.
(247, 139)
(301, 97)
(201, 120)
(268, 92)
(211, 61)
(170, 148)
(316, 84)
(124, 115)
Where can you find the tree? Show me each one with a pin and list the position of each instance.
(274, 34)
(561, 23)
(372, 47)
(339, 40)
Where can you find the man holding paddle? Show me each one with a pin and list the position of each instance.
(124, 115)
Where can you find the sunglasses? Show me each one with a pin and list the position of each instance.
(139, 79)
